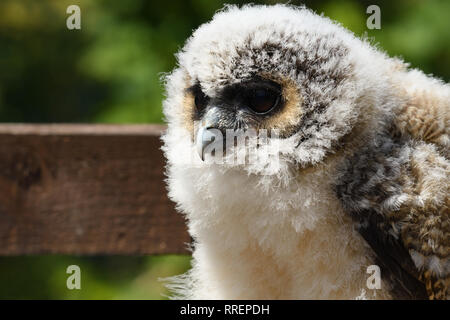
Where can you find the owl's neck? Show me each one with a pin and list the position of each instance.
(304, 248)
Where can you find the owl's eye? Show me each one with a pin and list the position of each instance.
(263, 100)
(200, 98)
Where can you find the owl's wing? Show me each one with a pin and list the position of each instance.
(397, 190)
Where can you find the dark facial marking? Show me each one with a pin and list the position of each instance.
(201, 100)
(259, 97)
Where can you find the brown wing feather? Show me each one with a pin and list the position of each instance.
(426, 117)
(425, 114)
(397, 190)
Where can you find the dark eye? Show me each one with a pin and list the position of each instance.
(200, 98)
(262, 100)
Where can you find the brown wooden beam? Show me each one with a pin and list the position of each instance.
(85, 190)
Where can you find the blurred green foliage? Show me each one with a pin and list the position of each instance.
(116, 277)
(109, 71)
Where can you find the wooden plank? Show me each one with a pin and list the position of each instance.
(85, 190)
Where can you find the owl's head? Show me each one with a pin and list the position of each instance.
(278, 68)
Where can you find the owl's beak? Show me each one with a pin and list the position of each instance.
(208, 132)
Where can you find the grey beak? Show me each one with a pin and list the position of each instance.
(208, 133)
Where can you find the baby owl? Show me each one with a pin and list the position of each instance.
(353, 170)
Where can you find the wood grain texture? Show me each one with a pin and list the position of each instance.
(87, 190)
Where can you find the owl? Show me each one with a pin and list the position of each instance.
(351, 165)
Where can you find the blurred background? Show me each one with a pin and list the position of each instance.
(109, 71)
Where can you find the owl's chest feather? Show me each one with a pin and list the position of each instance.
(290, 244)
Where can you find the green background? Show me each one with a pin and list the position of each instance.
(109, 71)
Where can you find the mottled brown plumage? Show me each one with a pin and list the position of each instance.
(425, 118)
(397, 188)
